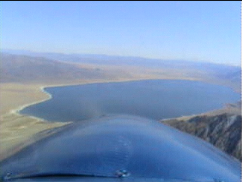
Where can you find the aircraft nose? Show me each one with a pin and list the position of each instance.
(114, 154)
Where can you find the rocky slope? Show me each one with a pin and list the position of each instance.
(222, 129)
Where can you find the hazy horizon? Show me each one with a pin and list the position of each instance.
(35, 53)
(194, 31)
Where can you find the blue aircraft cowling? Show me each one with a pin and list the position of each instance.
(123, 147)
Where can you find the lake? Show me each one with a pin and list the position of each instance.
(154, 99)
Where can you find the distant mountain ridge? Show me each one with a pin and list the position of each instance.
(120, 60)
(211, 72)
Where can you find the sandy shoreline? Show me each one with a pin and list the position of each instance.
(17, 110)
(17, 130)
(49, 96)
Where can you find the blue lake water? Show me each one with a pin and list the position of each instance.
(154, 99)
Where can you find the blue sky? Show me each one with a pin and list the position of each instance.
(198, 31)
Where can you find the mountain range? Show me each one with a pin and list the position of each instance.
(26, 66)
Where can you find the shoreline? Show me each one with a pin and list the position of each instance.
(104, 81)
(49, 96)
(17, 110)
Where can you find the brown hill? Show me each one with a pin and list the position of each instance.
(19, 68)
(221, 128)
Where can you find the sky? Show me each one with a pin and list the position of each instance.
(195, 31)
